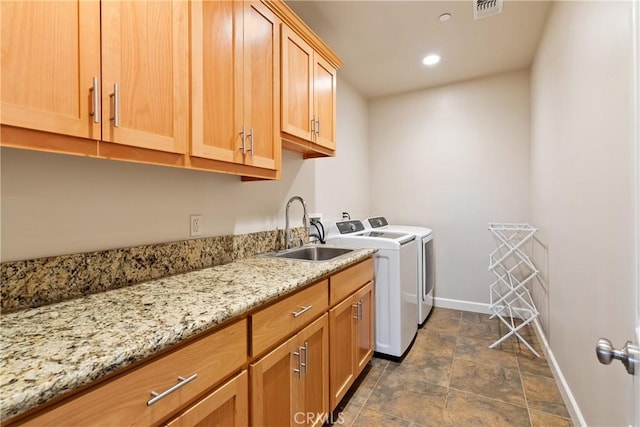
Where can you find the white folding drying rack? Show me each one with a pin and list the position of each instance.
(509, 296)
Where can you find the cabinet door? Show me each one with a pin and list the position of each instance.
(273, 386)
(50, 56)
(313, 346)
(216, 78)
(227, 406)
(364, 327)
(261, 85)
(342, 327)
(297, 85)
(324, 95)
(289, 386)
(145, 54)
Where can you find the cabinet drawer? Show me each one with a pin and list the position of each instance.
(274, 323)
(124, 400)
(348, 281)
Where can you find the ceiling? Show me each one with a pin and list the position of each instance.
(382, 43)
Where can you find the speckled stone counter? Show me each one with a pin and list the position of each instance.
(53, 349)
(37, 282)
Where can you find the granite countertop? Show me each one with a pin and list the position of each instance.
(50, 350)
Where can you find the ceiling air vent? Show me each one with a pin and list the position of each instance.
(484, 8)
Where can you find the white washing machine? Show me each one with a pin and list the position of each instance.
(426, 265)
(395, 286)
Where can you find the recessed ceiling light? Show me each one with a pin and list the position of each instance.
(444, 17)
(432, 59)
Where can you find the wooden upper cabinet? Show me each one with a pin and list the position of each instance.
(216, 78)
(308, 97)
(324, 101)
(114, 71)
(235, 83)
(145, 79)
(50, 57)
(297, 85)
(262, 85)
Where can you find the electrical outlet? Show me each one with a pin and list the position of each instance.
(315, 216)
(196, 225)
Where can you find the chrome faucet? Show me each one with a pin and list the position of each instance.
(287, 228)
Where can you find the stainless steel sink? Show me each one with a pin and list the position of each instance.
(311, 253)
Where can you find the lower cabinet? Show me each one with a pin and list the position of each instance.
(293, 361)
(350, 341)
(152, 392)
(364, 327)
(227, 406)
(290, 386)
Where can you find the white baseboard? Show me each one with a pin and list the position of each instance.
(567, 396)
(455, 304)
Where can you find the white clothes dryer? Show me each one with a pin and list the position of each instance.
(426, 264)
(395, 266)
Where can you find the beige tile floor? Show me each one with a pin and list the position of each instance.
(451, 378)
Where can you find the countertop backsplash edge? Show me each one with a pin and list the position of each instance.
(42, 281)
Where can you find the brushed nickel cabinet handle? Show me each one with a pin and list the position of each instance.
(244, 138)
(299, 370)
(357, 315)
(306, 356)
(302, 311)
(181, 383)
(116, 105)
(251, 136)
(96, 100)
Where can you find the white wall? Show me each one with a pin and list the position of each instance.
(56, 204)
(582, 195)
(454, 159)
(342, 182)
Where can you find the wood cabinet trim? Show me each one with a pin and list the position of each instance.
(276, 322)
(292, 20)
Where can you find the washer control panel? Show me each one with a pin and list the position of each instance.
(348, 227)
(378, 221)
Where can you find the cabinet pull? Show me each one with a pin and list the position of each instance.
(96, 100)
(251, 136)
(302, 311)
(360, 310)
(305, 365)
(318, 126)
(181, 382)
(299, 370)
(244, 144)
(313, 125)
(357, 315)
(116, 105)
